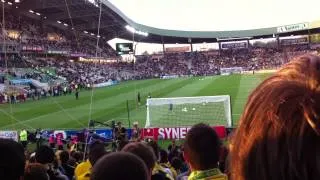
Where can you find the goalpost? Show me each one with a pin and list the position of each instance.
(187, 111)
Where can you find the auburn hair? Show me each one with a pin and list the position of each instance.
(278, 133)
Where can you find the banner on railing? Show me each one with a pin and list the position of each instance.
(169, 77)
(57, 52)
(234, 45)
(20, 81)
(178, 49)
(105, 84)
(9, 135)
(78, 55)
(172, 133)
(315, 38)
(32, 48)
(106, 135)
(293, 41)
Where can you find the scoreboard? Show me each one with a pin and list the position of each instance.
(124, 48)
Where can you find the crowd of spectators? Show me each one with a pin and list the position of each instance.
(189, 63)
(30, 33)
(137, 159)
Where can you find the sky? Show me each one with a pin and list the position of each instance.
(218, 15)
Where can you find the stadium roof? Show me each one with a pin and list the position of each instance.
(79, 13)
(83, 16)
(210, 15)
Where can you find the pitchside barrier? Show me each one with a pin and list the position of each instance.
(9, 135)
(168, 133)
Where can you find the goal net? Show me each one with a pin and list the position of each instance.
(187, 111)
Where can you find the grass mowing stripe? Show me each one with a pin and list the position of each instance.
(110, 103)
(247, 85)
(193, 87)
(70, 102)
(223, 85)
(84, 95)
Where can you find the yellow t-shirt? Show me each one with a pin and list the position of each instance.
(82, 169)
(211, 174)
(158, 168)
(84, 176)
(23, 135)
(173, 171)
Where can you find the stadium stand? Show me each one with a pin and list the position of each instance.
(65, 74)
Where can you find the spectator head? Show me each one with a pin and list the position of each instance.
(155, 148)
(122, 144)
(144, 152)
(119, 124)
(35, 171)
(12, 159)
(77, 156)
(278, 135)
(96, 151)
(64, 156)
(120, 166)
(163, 156)
(176, 163)
(44, 155)
(135, 124)
(202, 147)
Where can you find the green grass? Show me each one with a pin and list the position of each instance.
(110, 103)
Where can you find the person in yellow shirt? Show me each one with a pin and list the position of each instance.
(164, 162)
(146, 153)
(158, 169)
(24, 138)
(202, 152)
(83, 170)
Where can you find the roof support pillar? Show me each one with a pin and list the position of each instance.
(190, 42)
(163, 48)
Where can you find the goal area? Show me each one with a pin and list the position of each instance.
(187, 111)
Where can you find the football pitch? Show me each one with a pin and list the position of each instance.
(110, 103)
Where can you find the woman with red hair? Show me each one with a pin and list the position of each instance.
(278, 135)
